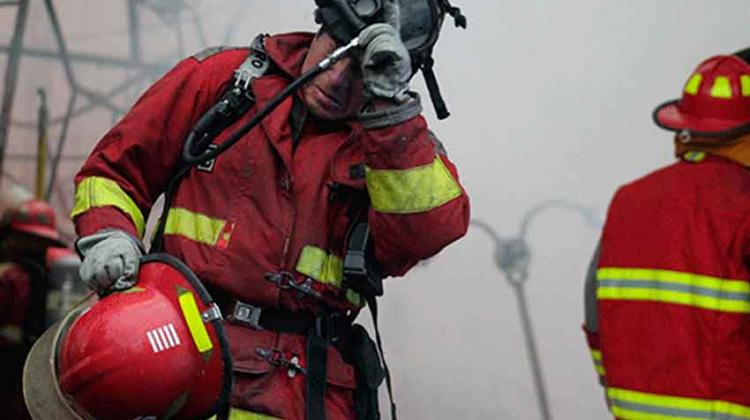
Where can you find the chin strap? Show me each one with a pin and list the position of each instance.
(441, 109)
(458, 18)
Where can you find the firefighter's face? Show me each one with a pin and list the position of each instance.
(337, 92)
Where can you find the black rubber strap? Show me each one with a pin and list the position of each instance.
(434, 89)
(372, 303)
(317, 366)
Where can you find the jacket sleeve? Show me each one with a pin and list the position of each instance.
(591, 317)
(417, 204)
(132, 164)
(15, 291)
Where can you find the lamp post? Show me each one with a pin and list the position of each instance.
(512, 257)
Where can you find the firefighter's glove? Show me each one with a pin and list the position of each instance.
(385, 61)
(110, 260)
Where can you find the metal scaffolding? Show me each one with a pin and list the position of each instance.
(84, 99)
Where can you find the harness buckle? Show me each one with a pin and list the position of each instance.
(246, 314)
(328, 327)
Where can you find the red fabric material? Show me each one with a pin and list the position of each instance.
(247, 187)
(15, 288)
(592, 339)
(688, 217)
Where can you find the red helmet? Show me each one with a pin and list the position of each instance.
(715, 101)
(157, 349)
(34, 217)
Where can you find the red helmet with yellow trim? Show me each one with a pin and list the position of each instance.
(156, 350)
(715, 101)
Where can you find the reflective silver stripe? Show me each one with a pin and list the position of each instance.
(174, 334)
(676, 287)
(678, 413)
(168, 335)
(637, 405)
(154, 341)
(163, 338)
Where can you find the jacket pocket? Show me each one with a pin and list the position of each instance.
(243, 343)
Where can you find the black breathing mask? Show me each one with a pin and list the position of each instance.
(420, 22)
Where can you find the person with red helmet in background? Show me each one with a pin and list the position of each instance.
(668, 291)
(28, 231)
(343, 171)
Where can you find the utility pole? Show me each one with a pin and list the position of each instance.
(512, 257)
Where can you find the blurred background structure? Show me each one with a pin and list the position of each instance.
(550, 98)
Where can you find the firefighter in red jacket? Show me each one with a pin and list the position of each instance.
(668, 293)
(265, 224)
(27, 231)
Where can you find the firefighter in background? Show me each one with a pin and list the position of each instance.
(668, 293)
(265, 224)
(28, 232)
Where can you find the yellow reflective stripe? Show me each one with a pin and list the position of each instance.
(239, 414)
(94, 191)
(320, 265)
(194, 226)
(694, 84)
(596, 356)
(194, 320)
(722, 88)
(412, 190)
(745, 84)
(694, 156)
(635, 405)
(325, 268)
(700, 291)
(355, 298)
(646, 274)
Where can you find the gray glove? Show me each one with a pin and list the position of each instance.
(110, 260)
(386, 64)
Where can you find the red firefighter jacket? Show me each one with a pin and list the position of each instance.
(673, 294)
(15, 288)
(271, 206)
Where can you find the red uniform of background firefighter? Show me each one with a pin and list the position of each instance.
(344, 171)
(668, 293)
(28, 232)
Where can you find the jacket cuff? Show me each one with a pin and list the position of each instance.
(101, 218)
(392, 115)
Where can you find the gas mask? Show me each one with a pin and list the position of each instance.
(420, 22)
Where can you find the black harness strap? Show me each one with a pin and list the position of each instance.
(315, 382)
(373, 304)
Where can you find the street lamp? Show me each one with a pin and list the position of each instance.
(513, 256)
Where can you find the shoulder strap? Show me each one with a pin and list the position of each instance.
(232, 105)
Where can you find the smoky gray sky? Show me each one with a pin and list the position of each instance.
(551, 99)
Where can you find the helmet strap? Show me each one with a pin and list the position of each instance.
(432, 86)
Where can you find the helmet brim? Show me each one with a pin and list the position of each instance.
(40, 383)
(40, 232)
(670, 116)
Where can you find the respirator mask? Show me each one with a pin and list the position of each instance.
(419, 22)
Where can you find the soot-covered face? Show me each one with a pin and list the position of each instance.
(336, 93)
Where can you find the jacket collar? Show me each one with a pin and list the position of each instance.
(288, 51)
